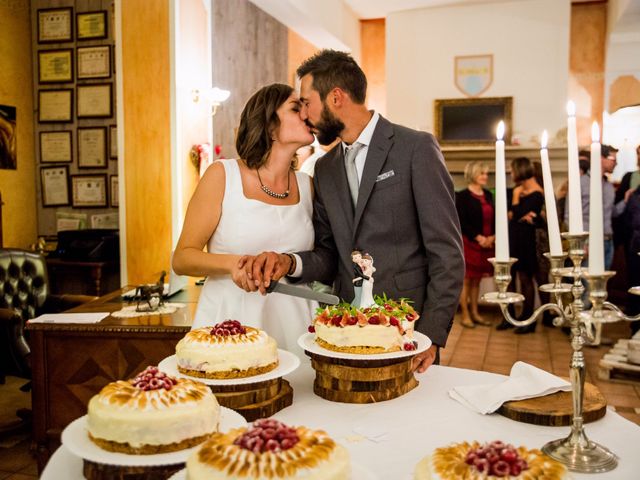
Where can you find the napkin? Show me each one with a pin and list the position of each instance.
(70, 317)
(525, 381)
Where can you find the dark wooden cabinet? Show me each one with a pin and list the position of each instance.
(85, 278)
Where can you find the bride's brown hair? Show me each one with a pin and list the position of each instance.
(258, 122)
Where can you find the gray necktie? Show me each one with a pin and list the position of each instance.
(352, 172)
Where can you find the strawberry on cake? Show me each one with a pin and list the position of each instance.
(270, 449)
(473, 461)
(385, 327)
(226, 350)
(152, 413)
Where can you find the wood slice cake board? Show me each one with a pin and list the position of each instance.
(362, 380)
(101, 471)
(269, 407)
(556, 409)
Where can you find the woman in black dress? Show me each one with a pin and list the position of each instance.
(524, 216)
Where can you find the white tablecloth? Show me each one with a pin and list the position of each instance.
(389, 438)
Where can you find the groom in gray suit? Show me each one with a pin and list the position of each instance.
(383, 189)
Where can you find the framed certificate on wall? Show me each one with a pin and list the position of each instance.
(92, 147)
(55, 105)
(89, 191)
(91, 25)
(54, 182)
(55, 147)
(55, 25)
(113, 142)
(55, 66)
(94, 62)
(94, 101)
(113, 190)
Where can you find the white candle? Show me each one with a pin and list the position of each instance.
(502, 229)
(574, 196)
(596, 236)
(550, 200)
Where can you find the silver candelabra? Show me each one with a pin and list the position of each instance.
(576, 451)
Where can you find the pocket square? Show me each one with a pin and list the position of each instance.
(385, 175)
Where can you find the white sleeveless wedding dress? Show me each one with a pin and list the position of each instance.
(250, 226)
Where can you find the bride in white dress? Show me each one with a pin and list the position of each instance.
(246, 206)
(366, 299)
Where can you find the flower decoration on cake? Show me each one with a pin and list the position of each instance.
(268, 435)
(228, 327)
(151, 378)
(385, 326)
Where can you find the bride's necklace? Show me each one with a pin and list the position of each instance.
(270, 192)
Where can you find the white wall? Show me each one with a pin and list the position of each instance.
(323, 23)
(529, 41)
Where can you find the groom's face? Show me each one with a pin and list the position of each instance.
(316, 113)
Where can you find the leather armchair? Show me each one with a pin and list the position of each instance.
(24, 294)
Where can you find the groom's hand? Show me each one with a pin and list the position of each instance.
(267, 267)
(424, 360)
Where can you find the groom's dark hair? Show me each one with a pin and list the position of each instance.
(331, 69)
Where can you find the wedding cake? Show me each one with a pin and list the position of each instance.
(226, 350)
(270, 449)
(152, 413)
(386, 326)
(473, 461)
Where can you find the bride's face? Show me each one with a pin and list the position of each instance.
(292, 129)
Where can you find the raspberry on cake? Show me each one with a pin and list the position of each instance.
(270, 449)
(226, 350)
(488, 461)
(385, 327)
(152, 413)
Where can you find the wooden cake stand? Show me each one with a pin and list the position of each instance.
(361, 381)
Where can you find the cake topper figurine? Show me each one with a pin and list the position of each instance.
(363, 279)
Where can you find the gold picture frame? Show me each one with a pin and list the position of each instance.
(472, 121)
(55, 66)
(91, 25)
(55, 25)
(94, 101)
(55, 105)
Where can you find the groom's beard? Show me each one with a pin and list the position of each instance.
(329, 127)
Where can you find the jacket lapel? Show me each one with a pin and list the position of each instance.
(381, 143)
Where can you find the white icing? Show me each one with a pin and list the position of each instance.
(195, 354)
(356, 336)
(163, 424)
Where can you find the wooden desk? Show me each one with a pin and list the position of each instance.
(85, 278)
(71, 363)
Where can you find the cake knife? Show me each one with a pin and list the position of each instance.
(302, 292)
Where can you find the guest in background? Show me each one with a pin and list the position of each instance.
(524, 216)
(477, 221)
(629, 183)
(542, 246)
(632, 213)
(563, 190)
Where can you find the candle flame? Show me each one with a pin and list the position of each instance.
(571, 108)
(500, 130)
(595, 132)
(544, 139)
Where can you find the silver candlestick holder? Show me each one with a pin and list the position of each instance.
(576, 451)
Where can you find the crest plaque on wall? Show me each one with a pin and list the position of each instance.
(473, 74)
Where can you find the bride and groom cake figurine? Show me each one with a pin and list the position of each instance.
(363, 279)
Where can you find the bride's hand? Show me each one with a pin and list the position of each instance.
(267, 267)
(239, 274)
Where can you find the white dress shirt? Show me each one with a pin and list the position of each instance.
(365, 139)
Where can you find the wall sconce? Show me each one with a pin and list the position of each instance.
(214, 96)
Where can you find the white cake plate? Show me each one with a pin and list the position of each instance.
(358, 472)
(287, 363)
(307, 341)
(76, 438)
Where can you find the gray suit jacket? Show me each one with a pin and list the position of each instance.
(405, 219)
